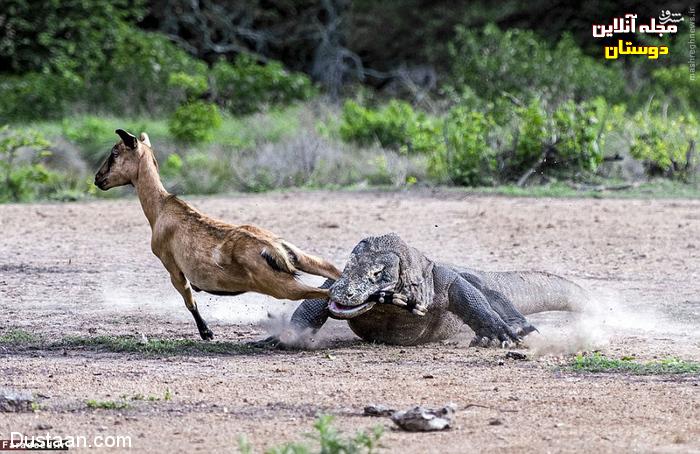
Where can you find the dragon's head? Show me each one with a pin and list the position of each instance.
(376, 264)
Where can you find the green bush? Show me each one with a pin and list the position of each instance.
(138, 77)
(32, 95)
(466, 158)
(520, 63)
(568, 141)
(191, 85)
(61, 36)
(395, 126)
(673, 86)
(532, 137)
(195, 122)
(246, 86)
(23, 177)
(666, 146)
(579, 134)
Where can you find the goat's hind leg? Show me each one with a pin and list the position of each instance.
(183, 287)
(311, 264)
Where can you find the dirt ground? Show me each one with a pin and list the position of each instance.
(86, 269)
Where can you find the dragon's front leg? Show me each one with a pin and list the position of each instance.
(474, 308)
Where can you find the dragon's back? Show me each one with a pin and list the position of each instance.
(532, 291)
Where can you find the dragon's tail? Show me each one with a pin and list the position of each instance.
(536, 291)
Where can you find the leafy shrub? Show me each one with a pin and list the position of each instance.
(133, 80)
(566, 141)
(666, 146)
(395, 126)
(246, 86)
(466, 158)
(195, 121)
(191, 85)
(63, 36)
(579, 134)
(518, 62)
(137, 79)
(32, 94)
(674, 86)
(172, 167)
(23, 177)
(532, 136)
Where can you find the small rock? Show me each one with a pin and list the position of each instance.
(428, 376)
(15, 401)
(420, 419)
(516, 355)
(378, 410)
(44, 426)
(495, 422)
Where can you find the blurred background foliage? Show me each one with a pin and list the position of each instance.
(257, 95)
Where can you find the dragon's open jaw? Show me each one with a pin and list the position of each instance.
(341, 311)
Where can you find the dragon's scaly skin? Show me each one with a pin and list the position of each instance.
(387, 285)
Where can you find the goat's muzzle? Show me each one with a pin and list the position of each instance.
(101, 182)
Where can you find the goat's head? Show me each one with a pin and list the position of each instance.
(121, 167)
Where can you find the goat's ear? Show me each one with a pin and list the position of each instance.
(144, 139)
(129, 139)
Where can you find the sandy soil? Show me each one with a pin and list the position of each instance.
(86, 269)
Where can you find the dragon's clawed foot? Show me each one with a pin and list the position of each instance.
(485, 341)
(395, 298)
(271, 342)
(399, 299)
(419, 309)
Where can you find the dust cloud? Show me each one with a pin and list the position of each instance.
(606, 317)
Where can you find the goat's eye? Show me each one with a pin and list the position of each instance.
(115, 152)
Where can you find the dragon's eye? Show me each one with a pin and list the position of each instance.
(377, 274)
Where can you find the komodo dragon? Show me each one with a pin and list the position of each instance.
(391, 293)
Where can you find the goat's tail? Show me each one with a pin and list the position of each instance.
(310, 263)
(278, 256)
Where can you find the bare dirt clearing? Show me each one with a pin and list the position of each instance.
(86, 269)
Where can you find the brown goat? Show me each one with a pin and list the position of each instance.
(211, 255)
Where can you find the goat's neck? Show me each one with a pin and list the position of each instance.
(149, 188)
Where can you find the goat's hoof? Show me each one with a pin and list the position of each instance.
(207, 335)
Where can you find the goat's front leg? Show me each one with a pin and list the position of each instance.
(180, 283)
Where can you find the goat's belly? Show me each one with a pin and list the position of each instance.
(214, 280)
(397, 326)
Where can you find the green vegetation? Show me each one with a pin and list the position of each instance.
(328, 440)
(106, 404)
(161, 347)
(666, 146)
(485, 97)
(395, 126)
(246, 87)
(597, 362)
(18, 336)
(521, 63)
(195, 121)
(167, 396)
(23, 177)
